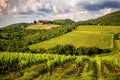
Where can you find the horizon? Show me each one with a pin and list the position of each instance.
(17, 11)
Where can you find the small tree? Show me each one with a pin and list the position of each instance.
(35, 22)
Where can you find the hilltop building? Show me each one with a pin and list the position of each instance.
(43, 22)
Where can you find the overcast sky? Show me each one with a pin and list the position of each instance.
(12, 11)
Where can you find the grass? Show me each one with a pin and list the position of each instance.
(100, 29)
(41, 26)
(89, 36)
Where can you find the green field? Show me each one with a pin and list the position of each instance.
(89, 36)
(21, 66)
(100, 29)
(41, 26)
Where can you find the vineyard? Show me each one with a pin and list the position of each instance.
(60, 49)
(88, 36)
(20, 66)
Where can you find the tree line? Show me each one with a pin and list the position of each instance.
(71, 50)
(16, 38)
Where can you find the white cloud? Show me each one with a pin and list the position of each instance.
(81, 15)
(30, 10)
(3, 5)
(106, 11)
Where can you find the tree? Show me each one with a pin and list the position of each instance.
(35, 22)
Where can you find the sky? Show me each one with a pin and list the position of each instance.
(16, 11)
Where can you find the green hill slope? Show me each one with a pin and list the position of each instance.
(89, 36)
(16, 38)
(16, 26)
(63, 21)
(109, 19)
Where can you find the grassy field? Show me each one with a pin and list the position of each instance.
(21, 66)
(88, 36)
(100, 29)
(41, 26)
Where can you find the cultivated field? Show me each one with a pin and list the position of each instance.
(100, 29)
(41, 26)
(20, 66)
(89, 36)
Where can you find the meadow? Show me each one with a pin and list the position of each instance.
(42, 26)
(20, 66)
(88, 36)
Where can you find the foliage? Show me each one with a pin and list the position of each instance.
(71, 50)
(39, 66)
(63, 21)
(16, 38)
(60, 49)
(117, 36)
(16, 61)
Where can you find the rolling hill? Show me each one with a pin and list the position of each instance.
(109, 19)
(89, 36)
(63, 21)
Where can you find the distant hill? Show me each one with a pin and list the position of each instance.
(16, 26)
(63, 21)
(112, 19)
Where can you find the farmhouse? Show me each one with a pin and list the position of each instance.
(43, 22)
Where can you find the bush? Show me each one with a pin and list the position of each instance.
(40, 50)
(89, 51)
(60, 49)
(71, 50)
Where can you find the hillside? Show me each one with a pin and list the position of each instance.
(109, 19)
(63, 21)
(89, 36)
(16, 38)
(15, 26)
(26, 66)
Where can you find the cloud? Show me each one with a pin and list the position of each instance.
(44, 6)
(12, 11)
(3, 5)
(73, 15)
(93, 6)
(31, 7)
